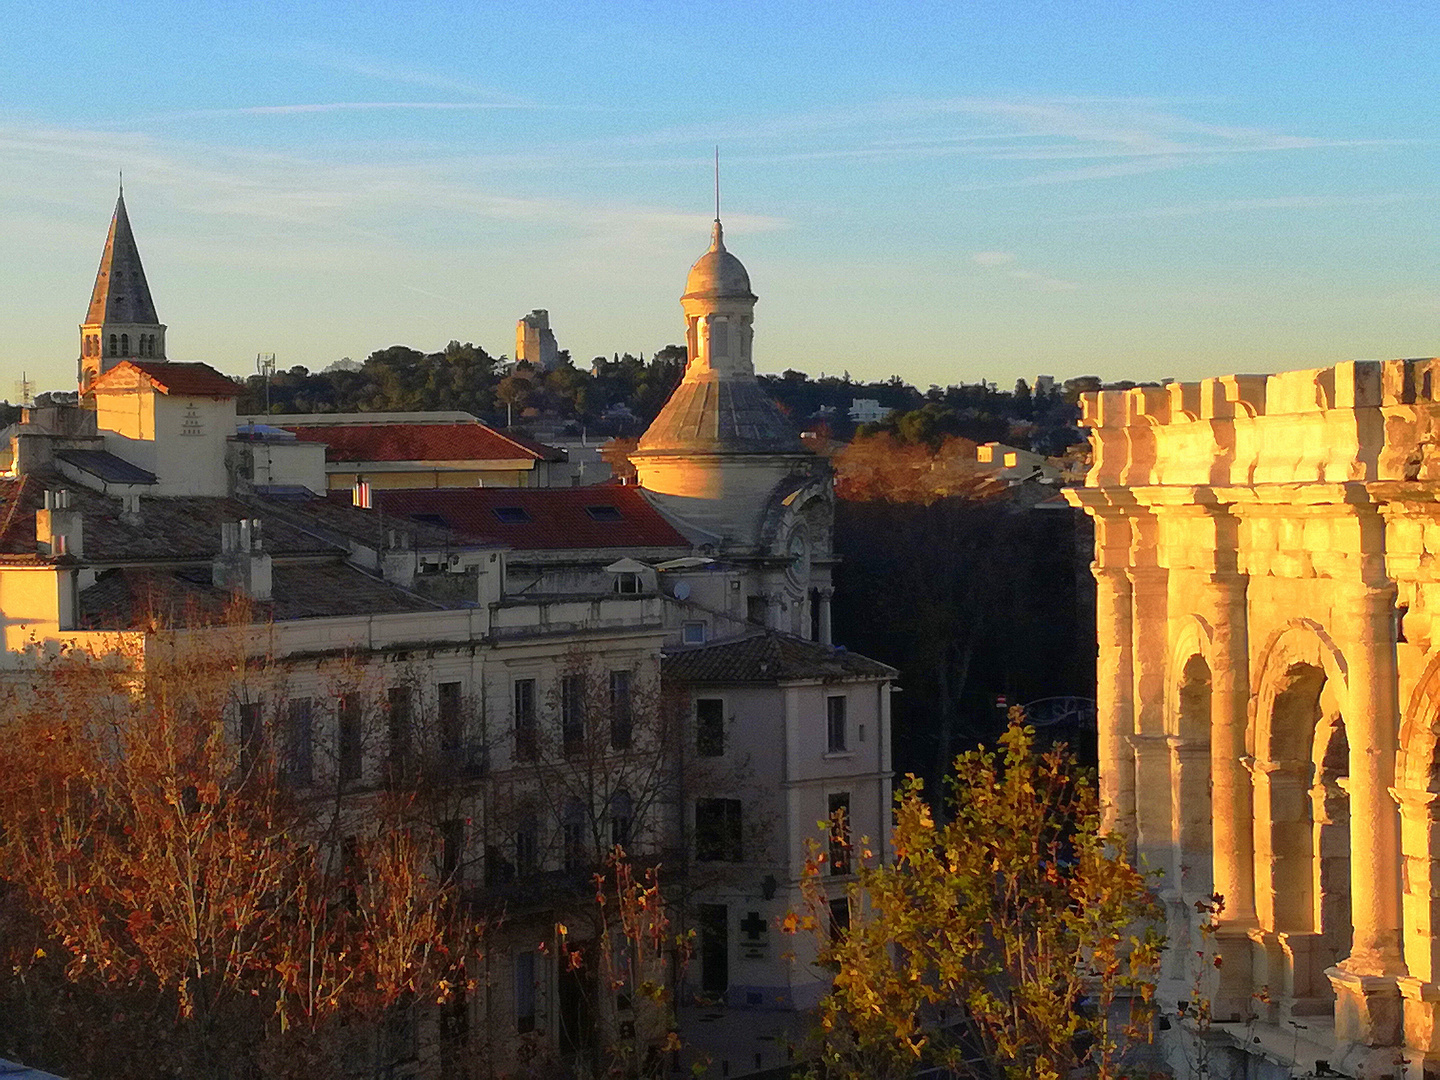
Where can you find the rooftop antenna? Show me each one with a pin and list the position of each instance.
(265, 367)
(25, 390)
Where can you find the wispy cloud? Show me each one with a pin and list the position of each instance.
(1001, 266)
(382, 69)
(1277, 202)
(340, 106)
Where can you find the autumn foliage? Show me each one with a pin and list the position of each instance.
(1012, 940)
(164, 887)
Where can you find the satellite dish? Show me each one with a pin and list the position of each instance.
(682, 590)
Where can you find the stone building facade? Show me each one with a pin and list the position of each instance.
(1269, 693)
(499, 639)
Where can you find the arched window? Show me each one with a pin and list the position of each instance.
(114, 346)
(124, 344)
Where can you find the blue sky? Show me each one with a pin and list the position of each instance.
(947, 192)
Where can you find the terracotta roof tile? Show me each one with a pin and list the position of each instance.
(422, 442)
(182, 380)
(537, 519)
(768, 657)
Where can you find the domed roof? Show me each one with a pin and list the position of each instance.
(720, 416)
(717, 274)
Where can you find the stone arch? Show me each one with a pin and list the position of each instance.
(1300, 752)
(1187, 729)
(1417, 790)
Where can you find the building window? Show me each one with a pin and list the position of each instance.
(498, 869)
(347, 738)
(525, 730)
(627, 583)
(114, 345)
(124, 344)
(397, 729)
(252, 735)
(604, 513)
(511, 515)
(717, 830)
(709, 727)
(572, 829)
(835, 735)
(451, 722)
(757, 610)
(572, 713)
(299, 763)
(525, 992)
(840, 833)
(839, 918)
(622, 815)
(622, 720)
(527, 845)
(452, 849)
(693, 633)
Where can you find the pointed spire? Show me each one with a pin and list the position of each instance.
(121, 295)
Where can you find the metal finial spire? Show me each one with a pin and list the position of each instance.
(122, 183)
(717, 181)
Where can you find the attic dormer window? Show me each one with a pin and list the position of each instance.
(627, 583)
(604, 513)
(511, 514)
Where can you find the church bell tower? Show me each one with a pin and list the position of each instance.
(121, 323)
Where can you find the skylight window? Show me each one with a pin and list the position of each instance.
(604, 513)
(511, 514)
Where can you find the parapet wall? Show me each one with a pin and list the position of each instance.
(1362, 420)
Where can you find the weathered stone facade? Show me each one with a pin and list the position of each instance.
(1267, 559)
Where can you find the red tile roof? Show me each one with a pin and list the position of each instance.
(183, 380)
(422, 442)
(536, 519)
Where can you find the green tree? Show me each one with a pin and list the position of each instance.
(1008, 942)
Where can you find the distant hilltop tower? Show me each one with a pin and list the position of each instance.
(121, 323)
(534, 343)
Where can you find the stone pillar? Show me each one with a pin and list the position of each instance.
(1420, 991)
(825, 594)
(1367, 1006)
(1114, 705)
(1188, 877)
(1154, 813)
(1231, 795)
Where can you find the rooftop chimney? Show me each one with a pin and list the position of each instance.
(360, 493)
(242, 565)
(59, 530)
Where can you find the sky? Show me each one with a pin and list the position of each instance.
(948, 192)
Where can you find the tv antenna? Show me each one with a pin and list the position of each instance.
(265, 367)
(25, 390)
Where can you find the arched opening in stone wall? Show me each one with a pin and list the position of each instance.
(1302, 840)
(1330, 808)
(1192, 872)
(1417, 790)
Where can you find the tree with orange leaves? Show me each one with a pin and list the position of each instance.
(166, 891)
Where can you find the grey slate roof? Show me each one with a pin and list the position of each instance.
(133, 597)
(106, 466)
(730, 415)
(122, 295)
(768, 656)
